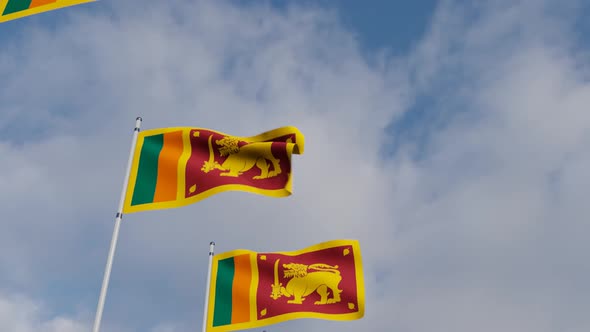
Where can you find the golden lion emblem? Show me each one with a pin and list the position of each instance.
(306, 279)
(242, 159)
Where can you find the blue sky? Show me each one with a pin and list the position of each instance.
(378, 24)
(450, 139)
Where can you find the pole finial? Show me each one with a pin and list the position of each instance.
(137, 123)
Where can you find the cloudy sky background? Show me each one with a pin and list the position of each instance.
(451, 139)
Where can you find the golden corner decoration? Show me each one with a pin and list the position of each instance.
(174, 167)
(13, 9)
(250, 289)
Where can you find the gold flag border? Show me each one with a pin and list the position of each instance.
(37, 10)
(254, 322)
(297, 148)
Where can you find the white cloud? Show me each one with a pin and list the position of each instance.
(19, 314)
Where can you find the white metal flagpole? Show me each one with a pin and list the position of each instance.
(205, 312)
(118, 217)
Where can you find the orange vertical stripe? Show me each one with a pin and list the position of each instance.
(241, 289)
(37, 3)
(168, 167)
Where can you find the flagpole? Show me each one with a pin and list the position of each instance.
(118, 217)
(205, 311)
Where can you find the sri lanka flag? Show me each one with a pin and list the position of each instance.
(173, 167)
(13, 9)
(251, 289)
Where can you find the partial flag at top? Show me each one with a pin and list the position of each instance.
(173, 167)
(13, 9)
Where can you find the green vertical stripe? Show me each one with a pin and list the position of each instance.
(147, 170)
(14, 6)
(223, 292)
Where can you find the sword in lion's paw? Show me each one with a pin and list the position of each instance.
(211, 164)
(276, 287)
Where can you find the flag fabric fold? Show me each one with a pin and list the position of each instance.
(13, 9)
(174, 167)
(251, 289)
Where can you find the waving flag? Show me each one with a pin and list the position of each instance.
(250, 289)
(13, 9)
(173, 167)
